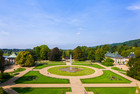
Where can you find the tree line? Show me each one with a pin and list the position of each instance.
(80, 53)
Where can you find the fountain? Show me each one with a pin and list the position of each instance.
(70, 62)
(71, 69)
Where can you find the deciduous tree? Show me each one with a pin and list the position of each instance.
(37, 51)
(2, 62)
(44, 52)
(24, 58)
(55, 54)
(78, 54)
(134, 70)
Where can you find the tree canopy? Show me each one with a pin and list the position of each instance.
(44, 50)
(108, 62)
(24, 58)
(55, 54)
(134, 64)
(2, 62)
(78, 54)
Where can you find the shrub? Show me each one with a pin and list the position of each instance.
(108, 62)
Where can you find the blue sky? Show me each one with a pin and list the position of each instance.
(67, 23)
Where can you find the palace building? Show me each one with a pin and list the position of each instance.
(118, 58)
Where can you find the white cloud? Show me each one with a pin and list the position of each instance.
(4, 33)
(81, 29)
(134, 7)
(78, 33)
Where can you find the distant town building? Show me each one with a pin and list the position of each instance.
(118, 58)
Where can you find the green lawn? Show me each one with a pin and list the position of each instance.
(93, 65)
(138, 90)
(87, 63)
(40, 66)
(18, 70)
(118, 69)
(81, 62)
(112, 90)
(52, 62)
(50, 90)
(12, 74)
(57, 71)
(47, 64)
(107, 77)
(34, 77)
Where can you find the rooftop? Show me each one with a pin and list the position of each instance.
(13, 55)
(113, 55)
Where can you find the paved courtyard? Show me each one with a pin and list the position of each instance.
(75, 83)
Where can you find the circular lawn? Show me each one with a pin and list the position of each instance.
(76, 71)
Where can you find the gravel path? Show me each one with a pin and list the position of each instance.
(75, 83)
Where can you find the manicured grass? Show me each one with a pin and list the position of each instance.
(93, 65)
(34, 77)
(18, 70)
(50, 90)
(138, 90)
(47, 64)
(118, 69)
(40, 66)
(81, 62)
(87, 63)
(112, 90)
(52, 62)
(12, 74)
(107, 77)
(57, 71)
(124, 73)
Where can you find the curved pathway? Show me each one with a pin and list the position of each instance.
(97, 72)
(75, 83)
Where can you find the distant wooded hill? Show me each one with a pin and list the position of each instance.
(135, 42)
(128, 43)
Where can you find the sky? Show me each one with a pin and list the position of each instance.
(67, 23)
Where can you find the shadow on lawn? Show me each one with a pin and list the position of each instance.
(26, 78)
(23, 90)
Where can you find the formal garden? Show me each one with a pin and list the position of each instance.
(78, 69)
(52, 75)
(34, 77)
(107, 77)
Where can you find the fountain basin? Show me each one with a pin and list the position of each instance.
(76, 71)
